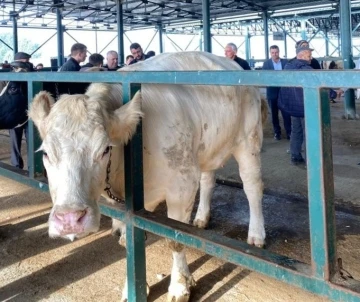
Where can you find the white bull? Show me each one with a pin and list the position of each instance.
(188, 133)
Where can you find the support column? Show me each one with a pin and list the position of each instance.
(161, 43)
(14, 15)
(247, 44)
(285, 44)
(200, 38)
(120, 31)
(346, 51)
(326, 42)
(206, 25)
(60, 38)
(303, 30)
(266, 33)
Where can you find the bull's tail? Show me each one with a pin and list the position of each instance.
(264, 110)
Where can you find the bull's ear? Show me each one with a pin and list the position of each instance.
(40, 109)
(125, 119)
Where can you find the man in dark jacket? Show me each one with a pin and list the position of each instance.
(78, 54)
(137, 53)
(95, 60)
(16, 93)
(272, 94)
(313, 63)
(231, 51)
(291, 100)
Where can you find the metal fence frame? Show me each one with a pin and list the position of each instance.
(317, 277)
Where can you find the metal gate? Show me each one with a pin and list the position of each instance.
(317, 277)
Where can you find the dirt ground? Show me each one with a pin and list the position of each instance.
(36, 268)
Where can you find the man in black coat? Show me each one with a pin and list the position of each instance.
(16, 93)
(291, 100)
(231, 51)
(137, 53)
(272, 94)
(314, 63)
(78, 54)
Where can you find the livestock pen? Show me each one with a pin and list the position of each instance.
(316, 277)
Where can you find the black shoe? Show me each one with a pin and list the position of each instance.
(332, 101)
(277, 137)
(297, 161)
(288, 137)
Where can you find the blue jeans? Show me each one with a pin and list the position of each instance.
(297, 138)
(274, 109)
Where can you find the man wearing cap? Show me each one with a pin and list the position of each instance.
(314, 63)
(21, 61)
(291, 100)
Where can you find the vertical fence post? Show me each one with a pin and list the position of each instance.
(134, 201)
(33, 140)
(320, 182)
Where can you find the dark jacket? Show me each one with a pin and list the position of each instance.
(70, 65)
(315, 64)
(291, 99)
(112, 69)
(135, 61)
(13, 105)
(244, 64)
(272, 93)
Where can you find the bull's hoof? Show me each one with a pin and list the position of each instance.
(200, 223)
(122, 240)
(258, 242)
(180, 291)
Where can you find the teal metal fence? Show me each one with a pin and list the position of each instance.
(317, 277)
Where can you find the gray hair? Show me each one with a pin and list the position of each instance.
(111, 52)
(233, 46)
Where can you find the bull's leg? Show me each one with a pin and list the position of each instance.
(248, 157)
(119, 229)
(180, 201)
(207, 184)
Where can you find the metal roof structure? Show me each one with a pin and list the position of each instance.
(101, 15)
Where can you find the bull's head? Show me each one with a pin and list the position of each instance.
(77, 132)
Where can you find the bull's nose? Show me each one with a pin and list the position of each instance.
(70, 222)
(72, 217)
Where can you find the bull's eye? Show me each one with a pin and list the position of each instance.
(107, 150)
(45, 155)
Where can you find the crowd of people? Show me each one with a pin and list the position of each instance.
(288, 100)
(15, 98)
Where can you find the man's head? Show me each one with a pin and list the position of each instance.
(39, 66)
(274, 53)
(78, 52)
(112, 59)
(128, 59)
(137, 51)
(151, 53)
(230, 51)
(22, 57)
(96, 59)
(303, 51)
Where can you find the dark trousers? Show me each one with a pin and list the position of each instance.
(297, 138)
(16, 135)
(274, 109)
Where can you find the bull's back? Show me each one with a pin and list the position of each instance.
(206, 120)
